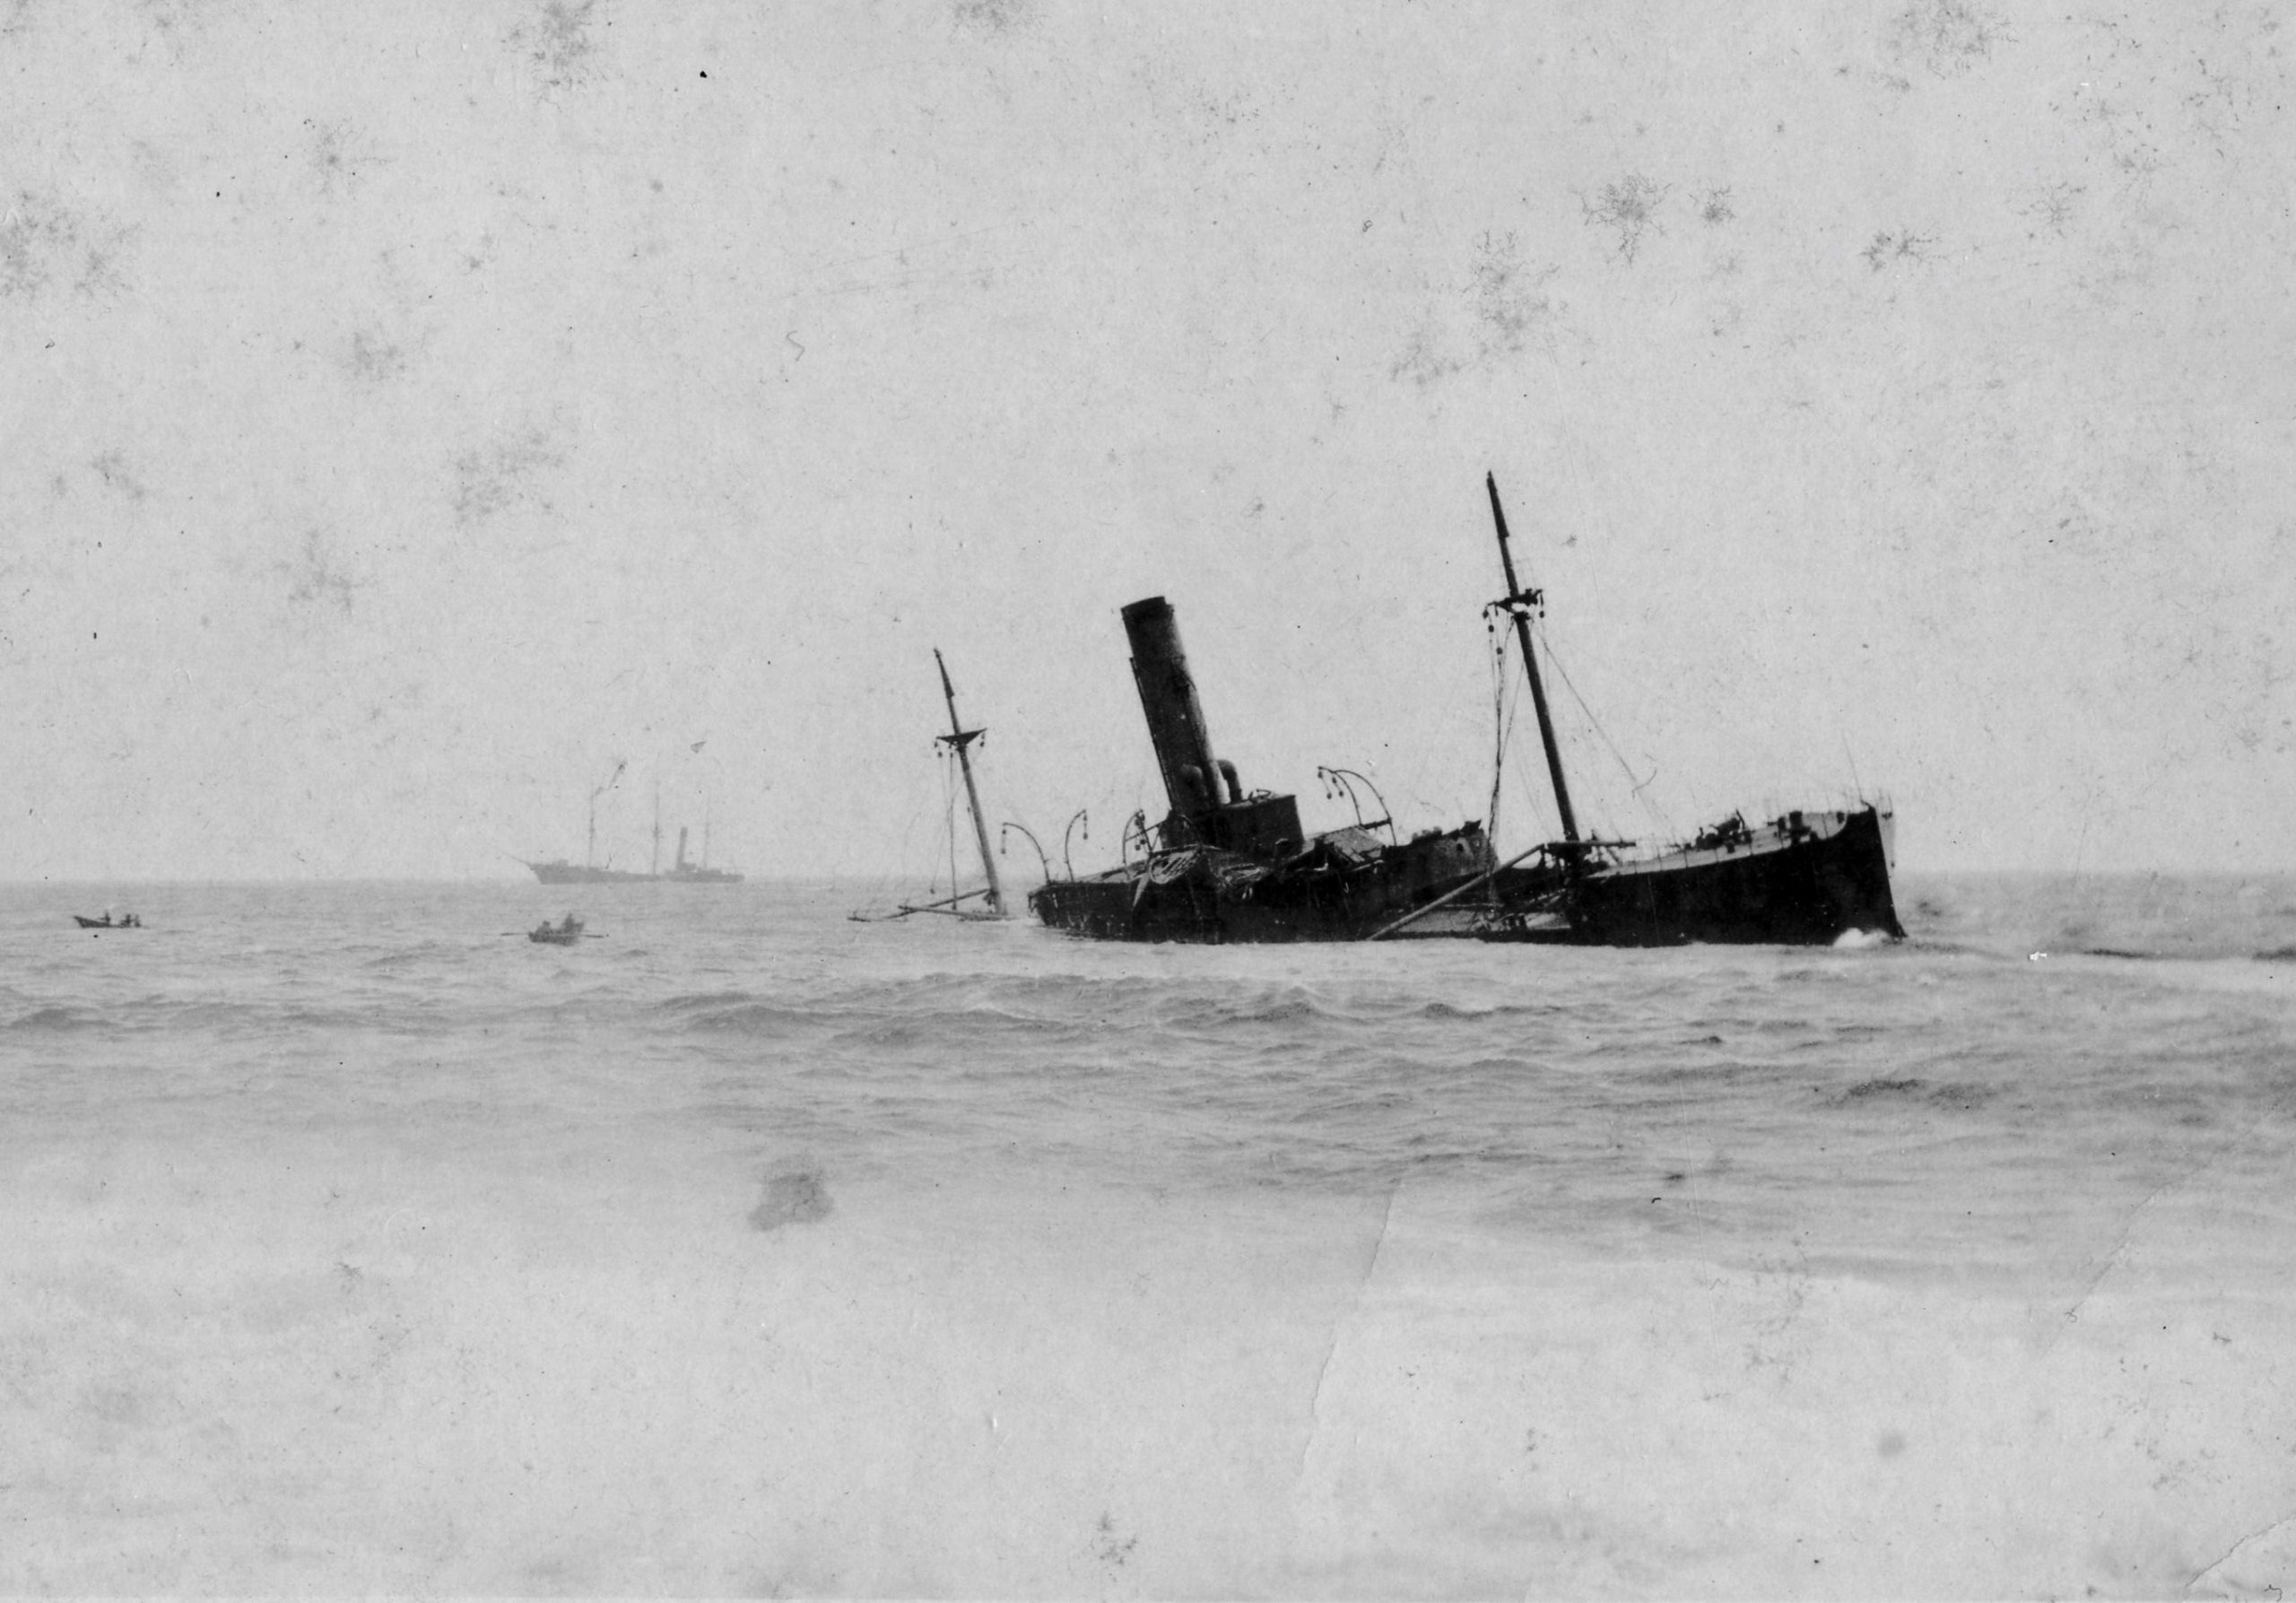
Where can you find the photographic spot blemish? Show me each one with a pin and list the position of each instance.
(1948, 37)
(1112, 1546)
(994, 16)
(112, 468)
(558, 40)
(506, 474)
(1627, 208)
(791, 1196)
(316, 576)
(1904, 244)
(374, 357)
(1509, 303)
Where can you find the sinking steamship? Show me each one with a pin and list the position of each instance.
(1228, 865)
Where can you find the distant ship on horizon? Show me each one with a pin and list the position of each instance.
(560, 872)
(681, 872)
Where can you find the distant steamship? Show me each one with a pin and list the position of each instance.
(560, 872)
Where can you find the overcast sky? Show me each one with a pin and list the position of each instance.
(411, 411)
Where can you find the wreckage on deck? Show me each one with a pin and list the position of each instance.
(1231, 866)
(1226, 865)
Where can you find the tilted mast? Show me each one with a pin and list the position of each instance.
(1520, 604)
(960, 740)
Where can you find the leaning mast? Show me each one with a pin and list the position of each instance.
(960, 740)
(1520, 604)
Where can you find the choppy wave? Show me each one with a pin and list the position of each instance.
(750, 1018)
(322, 1177)
(56, 1018)
(736, 1014)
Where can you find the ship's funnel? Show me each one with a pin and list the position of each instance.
(1209, 806)
(1175, 717)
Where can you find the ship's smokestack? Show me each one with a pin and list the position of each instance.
(1257, 825)
(1175, 717)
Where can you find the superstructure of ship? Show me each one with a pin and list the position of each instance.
(560, 872)
(1231, 865)
(1227, 866)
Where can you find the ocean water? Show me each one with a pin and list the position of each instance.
(354, 1243)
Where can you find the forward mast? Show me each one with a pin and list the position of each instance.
(960, 740)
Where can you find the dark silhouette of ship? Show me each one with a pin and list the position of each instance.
(560, 872)
(681, 872)
(1227, 866)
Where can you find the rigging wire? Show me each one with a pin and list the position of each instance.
(1506, 705)
(1507, 702)
(1501, 719)
(949, 825)
(896, 880)
(1635, 787)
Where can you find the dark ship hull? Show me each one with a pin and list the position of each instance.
(1225, 866)
(1804, 879)
(563, 872)
(1345, 886)
(574, 874)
